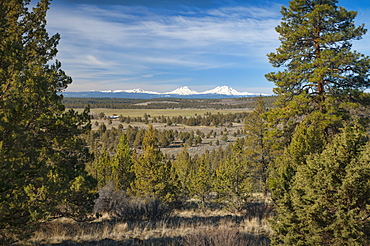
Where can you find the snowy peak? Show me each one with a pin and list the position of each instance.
(138, 91)
(223, 90)
(186, 91)
(227, 90)
(131, 91)
(183, 91)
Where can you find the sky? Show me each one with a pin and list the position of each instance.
(161, 45)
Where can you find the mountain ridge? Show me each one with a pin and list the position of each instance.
(181, 92)
(185, 90)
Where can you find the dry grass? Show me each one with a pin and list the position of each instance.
(183, 228)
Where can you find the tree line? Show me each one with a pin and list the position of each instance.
(207, 119)
(161, 103)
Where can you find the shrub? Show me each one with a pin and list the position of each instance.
(122, 207)
(139, 209)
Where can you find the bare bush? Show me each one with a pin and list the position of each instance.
(122, 207)
(139, 209)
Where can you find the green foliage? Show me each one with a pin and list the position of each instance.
(321, 86)
(232, 179)
(101, 168)
(42, 157)
(201, 183)
(154, 175)
(321, 72)
(329, 197)
(307, 140)
(224, 137)
(258, 145)
(183, 167)
(122, 165)
(316, 50)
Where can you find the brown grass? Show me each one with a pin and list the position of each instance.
(183, 228)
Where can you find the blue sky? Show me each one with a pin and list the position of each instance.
(161, 45)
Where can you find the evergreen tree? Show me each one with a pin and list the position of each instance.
(183, 168)
(102, 168)
(258, 146)
(308, 139)
(139, 137)
(42, 157)
(154, 176)
(122, 165)
(329, 202)
(201, 183)
(232, 179)
(321, 72)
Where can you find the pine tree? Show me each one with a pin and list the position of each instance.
(42, 157)
(322, 81)
(321, 73)
(329, 197)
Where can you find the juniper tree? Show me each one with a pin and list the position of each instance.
(258, 149)
(320, 71)
(328, 201)
(307, 140)
(183, 168)
(154, 176)
(201, 182)
(42, 157)
(232, 179)
(122, 165)
(102, 168)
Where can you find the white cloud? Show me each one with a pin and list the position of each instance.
(133, 43)
(96, 28)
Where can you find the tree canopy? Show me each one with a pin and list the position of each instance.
(319, 69)
(322, 80)
(41, 154)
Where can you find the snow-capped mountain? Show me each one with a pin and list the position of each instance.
(183, 91)
(226, 90)
(132, 91)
